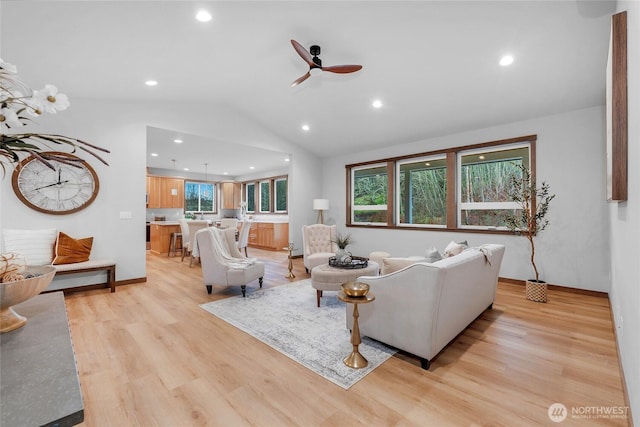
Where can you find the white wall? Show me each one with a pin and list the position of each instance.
(121, 127)
(573, 251)
(624, 219)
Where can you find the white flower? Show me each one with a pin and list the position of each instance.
(9, 68)
(35, 107)
(51, 100)
(9, 118)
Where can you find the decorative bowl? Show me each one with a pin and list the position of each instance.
(13, 293)
(355, 289)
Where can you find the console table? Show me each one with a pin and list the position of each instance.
(39, 384)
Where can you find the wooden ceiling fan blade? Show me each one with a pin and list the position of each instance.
(304, 54)
(301, 79)
(342, 69)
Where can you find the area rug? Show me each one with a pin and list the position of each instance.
(286, 318)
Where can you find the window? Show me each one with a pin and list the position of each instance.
(280, 194)
(422, 191)
(199, 197)
(485, 178)
(265, 196)
(250, 192)
(370, 190)
(462, 188)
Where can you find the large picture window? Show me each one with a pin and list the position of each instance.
(485, 178)
(370, 187)
(199, 197)
(461, 188)
(422, 191)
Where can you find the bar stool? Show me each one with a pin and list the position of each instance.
(173, 245)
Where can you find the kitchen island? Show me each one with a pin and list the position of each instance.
(160, 236)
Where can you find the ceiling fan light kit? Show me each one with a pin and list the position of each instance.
(315, 63)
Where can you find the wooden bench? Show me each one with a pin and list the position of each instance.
(86, 267)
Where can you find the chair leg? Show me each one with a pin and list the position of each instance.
(260, 281)
(184, 252)
(245, 252)
(318, 296)
(425, 363)
(244, 290)
(209, 288)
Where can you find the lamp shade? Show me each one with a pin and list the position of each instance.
(320, 204)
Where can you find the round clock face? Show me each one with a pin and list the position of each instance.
(63, 190)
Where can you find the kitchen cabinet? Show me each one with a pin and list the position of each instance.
(160, 236)
(231, 195)
(172, 193)
(269, 235)
(165, 192)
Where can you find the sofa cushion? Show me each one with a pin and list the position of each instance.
(455, 248)
(69, 250)
(35, 245)
(432, 255)
(389, 265)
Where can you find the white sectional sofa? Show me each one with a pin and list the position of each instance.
(422, 307)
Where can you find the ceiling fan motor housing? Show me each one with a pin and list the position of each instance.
(315, 51)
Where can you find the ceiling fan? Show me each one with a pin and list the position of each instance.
(315, 63)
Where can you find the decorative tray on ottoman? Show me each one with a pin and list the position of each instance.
(356, 262)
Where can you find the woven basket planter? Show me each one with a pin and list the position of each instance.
(536, 291)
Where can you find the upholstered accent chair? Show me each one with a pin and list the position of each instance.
(318, 242)
(222, 262)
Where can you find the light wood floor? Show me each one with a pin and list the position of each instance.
(149, 356)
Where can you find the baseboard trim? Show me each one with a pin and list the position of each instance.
(625, 392)
(598, 294)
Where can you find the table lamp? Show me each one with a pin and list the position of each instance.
(320, 205)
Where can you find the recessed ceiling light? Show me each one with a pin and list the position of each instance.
(376, 103)
(186, 169)
(305, 127)
(481, 157)
(178, 141)
(151, 83)
(427, 164)
(203, 16)
(154, 154)
(287, 159)
(225, 173)
(506, 60)
(252, 167)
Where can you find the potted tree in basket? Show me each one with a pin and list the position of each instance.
(529, 221)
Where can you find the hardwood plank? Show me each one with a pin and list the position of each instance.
(148, 355)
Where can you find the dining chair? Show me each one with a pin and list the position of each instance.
(243, 238)
(192, 228)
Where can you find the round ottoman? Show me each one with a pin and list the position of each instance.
(326, 278)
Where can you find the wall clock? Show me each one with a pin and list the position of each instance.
(71, 186)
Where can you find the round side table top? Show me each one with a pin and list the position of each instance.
(352, 300)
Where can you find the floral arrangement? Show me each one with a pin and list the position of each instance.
(19, 105)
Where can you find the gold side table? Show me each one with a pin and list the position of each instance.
(290, 249)
(355, 360)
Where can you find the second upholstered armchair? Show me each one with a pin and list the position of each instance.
(318, 242)
(222, 262)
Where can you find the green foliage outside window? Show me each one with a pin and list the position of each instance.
(281, 194)
(265, 195)
(423, 192)
(370, 195)
(251, 197)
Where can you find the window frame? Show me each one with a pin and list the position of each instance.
(214, 186)
(481, 205)
(275, 194)
(246, 195)
(351, 186)
(398, 205)
(269, 201)
(453, 179)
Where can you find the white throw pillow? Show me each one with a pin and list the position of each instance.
(454, 248)
(35, 245)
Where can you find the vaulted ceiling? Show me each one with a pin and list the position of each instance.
(433, 64)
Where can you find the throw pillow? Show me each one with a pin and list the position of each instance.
(433, 255)
(454, 248)
(35, 245)
(69, 250)
(389, 265)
